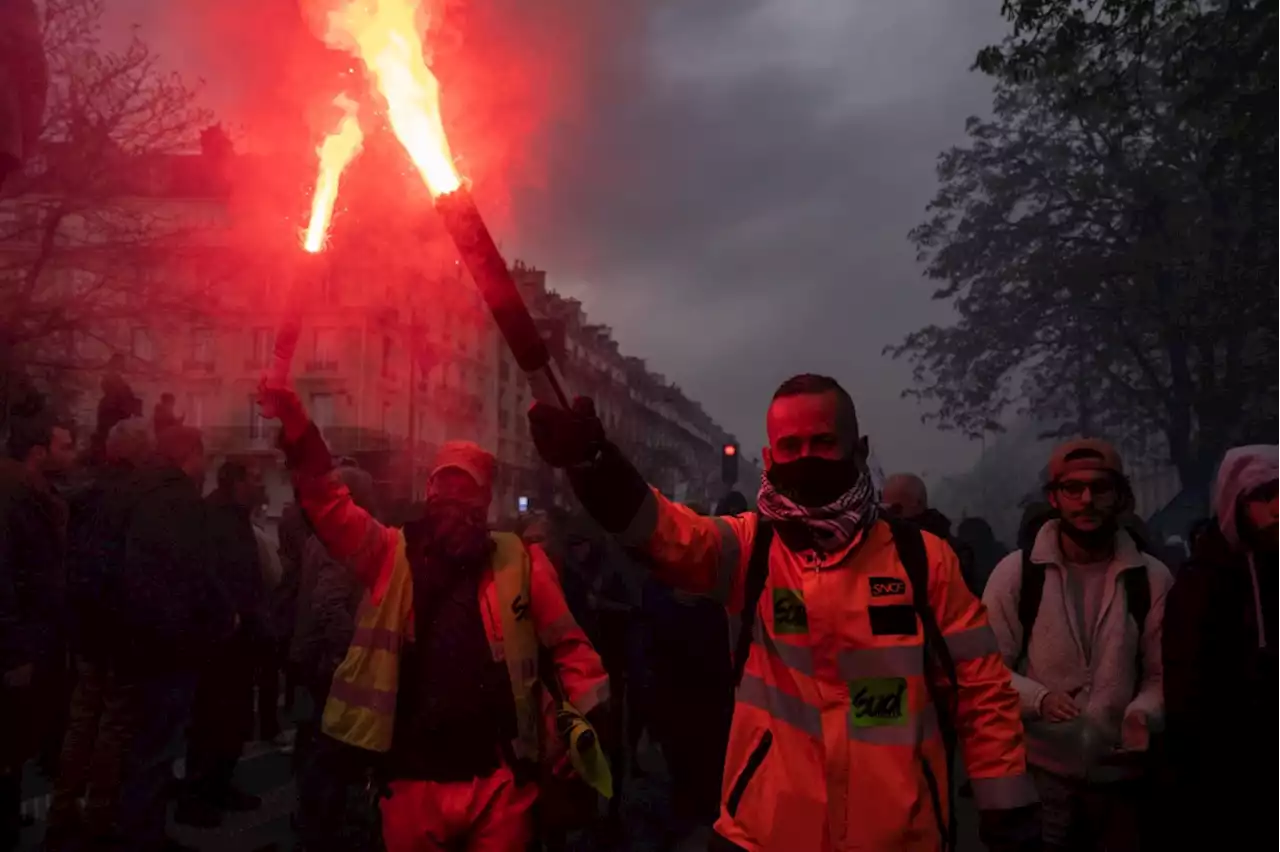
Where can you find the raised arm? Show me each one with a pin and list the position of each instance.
(350, 533)
(705, 556)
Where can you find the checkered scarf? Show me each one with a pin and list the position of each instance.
(831, 527)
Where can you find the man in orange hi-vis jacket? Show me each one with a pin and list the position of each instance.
(442, 674)
(863, 661)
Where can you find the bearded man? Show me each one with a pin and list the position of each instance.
(1078, 618)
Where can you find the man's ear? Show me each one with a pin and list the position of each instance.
(766, 455)
(1052, 495)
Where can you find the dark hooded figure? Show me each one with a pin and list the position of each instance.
(1220, 665)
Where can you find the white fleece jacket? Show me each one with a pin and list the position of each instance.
(1105, 687)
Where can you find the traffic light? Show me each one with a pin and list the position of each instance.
(729, 464)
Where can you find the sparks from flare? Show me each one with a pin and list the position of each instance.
(384, 36)
(337, 150)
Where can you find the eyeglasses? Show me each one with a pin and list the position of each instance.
(1075, 489)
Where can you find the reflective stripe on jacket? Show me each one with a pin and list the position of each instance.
(833, 723)
(520, 588)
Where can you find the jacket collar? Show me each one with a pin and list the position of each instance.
(1048, 551)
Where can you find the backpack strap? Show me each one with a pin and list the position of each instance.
(757, 574)
(1137, 595)
(1032, 590)
(937, 657)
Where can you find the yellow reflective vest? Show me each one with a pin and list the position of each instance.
(362, 701)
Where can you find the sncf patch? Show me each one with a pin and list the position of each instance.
(789, 615)
(885, 586)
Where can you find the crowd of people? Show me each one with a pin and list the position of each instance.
(828, 671)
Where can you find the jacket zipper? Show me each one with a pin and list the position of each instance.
(748, 772)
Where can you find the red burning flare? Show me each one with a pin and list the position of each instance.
(337, 150)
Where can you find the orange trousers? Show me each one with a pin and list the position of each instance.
(491, 814)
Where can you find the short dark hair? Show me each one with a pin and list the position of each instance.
(178, 443)
(27, 433)
(231, 474)
(733, 503)
(812, 384)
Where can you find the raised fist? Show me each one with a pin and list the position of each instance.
(566, 438)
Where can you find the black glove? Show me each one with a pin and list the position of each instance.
(610, 488)
(1011, 830)
(567, 438)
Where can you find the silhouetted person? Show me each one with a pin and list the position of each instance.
(732, 503)
(163, 416)
(118, 403)
(165, 609)
(222, 719)
(906, 497)
(32, 523)
(985, 549)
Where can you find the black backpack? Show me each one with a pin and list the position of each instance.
(911, 551)
(1137, 593)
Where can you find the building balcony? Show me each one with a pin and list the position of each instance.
(342, 440)
(232, 440)
(454, 404)
(197, 365)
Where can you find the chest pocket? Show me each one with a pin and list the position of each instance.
(893, 620)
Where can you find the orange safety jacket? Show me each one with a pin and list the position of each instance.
(362, 700)
(833, 724)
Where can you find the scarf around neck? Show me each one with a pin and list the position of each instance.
(830, 528)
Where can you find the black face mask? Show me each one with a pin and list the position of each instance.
(455, 531)
(811, 481)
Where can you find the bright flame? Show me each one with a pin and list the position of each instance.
(338, 148)
(384, 36)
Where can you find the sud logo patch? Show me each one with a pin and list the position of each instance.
(878, 702)
(789, 615)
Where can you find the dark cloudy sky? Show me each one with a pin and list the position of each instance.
(733, 193)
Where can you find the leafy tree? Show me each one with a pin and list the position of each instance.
(87, 245)
(1108, 236)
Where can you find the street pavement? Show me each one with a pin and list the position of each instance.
(266, 771)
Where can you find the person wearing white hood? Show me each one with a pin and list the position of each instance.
(1220, 664)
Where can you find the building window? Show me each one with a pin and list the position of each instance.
(326, 347)
(257, 426)
(322, 410)
(263, 341)
(194, 413)
(140, 344)
(503, 419)
(202, 348)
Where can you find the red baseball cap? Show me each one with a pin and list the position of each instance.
(1084, 454)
